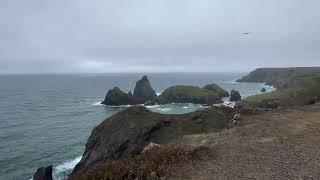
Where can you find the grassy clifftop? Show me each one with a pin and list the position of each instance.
(209, 94)
(279, 77)
(297, 86)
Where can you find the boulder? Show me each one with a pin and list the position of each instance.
(263, 90)
(235, 96)
(143, 90)
(43, 173)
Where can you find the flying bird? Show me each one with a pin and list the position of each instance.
(247, 33)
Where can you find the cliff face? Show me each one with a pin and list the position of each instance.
(126, 133)
(296, 86)
(278, 77)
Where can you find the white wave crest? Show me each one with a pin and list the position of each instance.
(61, 171)
(97, 103)
(165, 109)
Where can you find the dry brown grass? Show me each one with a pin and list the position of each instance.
(155, 163)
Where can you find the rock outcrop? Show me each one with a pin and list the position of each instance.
(143, 93)
(235, 96)
(117, 97)
(208, 95)
(43, 173)
(143, 90)
(127, 133)
(263, 90)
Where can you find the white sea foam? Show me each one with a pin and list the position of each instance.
(165, 109)
(153, 106)
(62, 170)
(185, 107)
(97, 103)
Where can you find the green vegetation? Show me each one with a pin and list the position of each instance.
(210, 94)
(298, 91)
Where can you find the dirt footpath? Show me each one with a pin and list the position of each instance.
(283, 144)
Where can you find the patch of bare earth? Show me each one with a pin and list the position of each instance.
(282, 144)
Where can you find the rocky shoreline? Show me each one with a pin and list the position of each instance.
(116, 147)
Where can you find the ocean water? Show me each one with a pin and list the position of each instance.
(46, 119)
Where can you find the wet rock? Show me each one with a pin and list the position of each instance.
(263, 90)
(43, 173)
(235, 96)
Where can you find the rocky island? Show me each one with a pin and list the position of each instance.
(144, 94)
(208, 95)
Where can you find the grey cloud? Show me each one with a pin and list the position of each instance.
(75, 36)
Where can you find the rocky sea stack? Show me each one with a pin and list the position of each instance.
(143, 93)
(143, 90)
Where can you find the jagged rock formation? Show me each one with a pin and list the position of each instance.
(117, 97)
(43, 173)
(235, 96)
(143, 90)
(209, 94)
(143, 93)
(128, 132)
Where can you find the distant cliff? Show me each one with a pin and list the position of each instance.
(278, 77)
(296, 86)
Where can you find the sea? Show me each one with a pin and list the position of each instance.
(47, 119)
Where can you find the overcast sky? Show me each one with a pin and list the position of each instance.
(103, 36)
